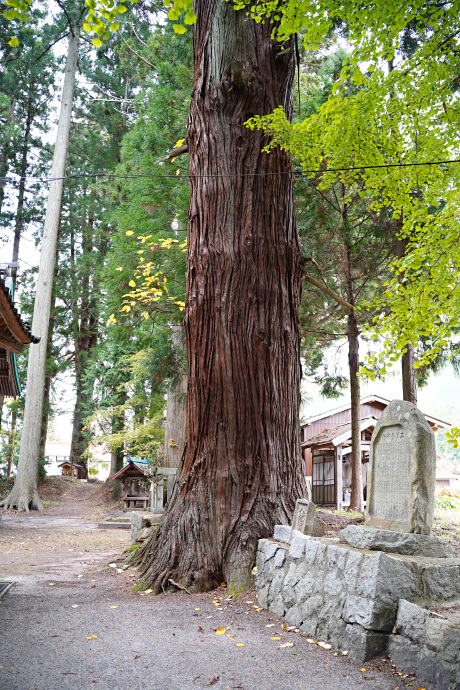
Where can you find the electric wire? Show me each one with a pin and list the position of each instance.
(295, 173)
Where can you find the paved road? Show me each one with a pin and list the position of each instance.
(142, 642)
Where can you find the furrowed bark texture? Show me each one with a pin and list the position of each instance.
(240, 472)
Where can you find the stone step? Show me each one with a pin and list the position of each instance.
(112, 524)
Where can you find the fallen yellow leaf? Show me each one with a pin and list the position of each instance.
(197, 609)
(363, 670)
(114, 607)
(312, 641)
(223, 584)
(275, 638)
(270, 625)
(220, 631)
(52, 584)
(286, 644)
(324, 645)
(282, 625)
(92, 637)
(148, 591)
(239, 644)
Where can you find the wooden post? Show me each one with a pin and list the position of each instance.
(338, 478)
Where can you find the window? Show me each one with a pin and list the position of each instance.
(323, 487)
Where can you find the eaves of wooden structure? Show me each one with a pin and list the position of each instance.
(14, 336)
(326, 448)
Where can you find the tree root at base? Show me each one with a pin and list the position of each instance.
(22, 501)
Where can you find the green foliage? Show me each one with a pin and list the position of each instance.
(448, 500)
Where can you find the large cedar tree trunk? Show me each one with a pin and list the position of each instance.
(240, 473)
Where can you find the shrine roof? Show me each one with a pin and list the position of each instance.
(140, 465)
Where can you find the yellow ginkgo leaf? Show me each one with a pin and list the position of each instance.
(363, 670)
(129, 232)
(239, 644)
(114, 607)
(132, 283)
(179, 143)
(177, 171)
(324, 645)
(220, 631)
(119, 268)
(275, 638)
(92, 637)
(52, 584)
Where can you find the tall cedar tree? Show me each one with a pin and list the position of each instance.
(240, 471)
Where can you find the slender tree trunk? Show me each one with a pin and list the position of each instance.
(176, 410)
(85, 339)
(356, 500)
(241, 470)
(5, 154)
(408, 359)
(357, 497)
(48, 378)
(19, 222)
(25, 494)
(11, 436)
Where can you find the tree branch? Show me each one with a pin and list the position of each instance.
(137, 54)
(328, 291)
(174, 153)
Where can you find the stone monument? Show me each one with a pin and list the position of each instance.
(402, 469)
(305, 521)
(401, 486)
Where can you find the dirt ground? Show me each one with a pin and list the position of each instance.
(72, 620)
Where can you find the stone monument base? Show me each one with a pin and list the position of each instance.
(344, 595)
(362, 537)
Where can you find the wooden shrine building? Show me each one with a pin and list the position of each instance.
(14, 336)
(135, 477)
(326, 449)
(71, 469)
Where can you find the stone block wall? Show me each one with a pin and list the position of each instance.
(427, 645)
(344, 595)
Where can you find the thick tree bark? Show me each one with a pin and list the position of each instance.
(176, 410)
(25, 491)
(241, 472)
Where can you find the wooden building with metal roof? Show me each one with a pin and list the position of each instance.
(326, 448)
(14, 336)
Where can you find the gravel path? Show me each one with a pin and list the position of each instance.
(140, 641)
